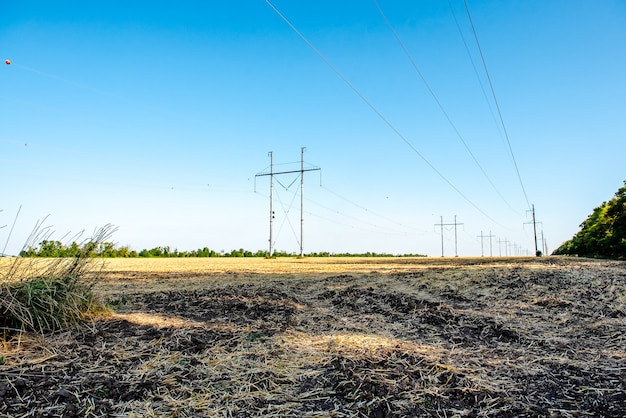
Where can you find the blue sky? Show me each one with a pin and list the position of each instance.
(156, 117)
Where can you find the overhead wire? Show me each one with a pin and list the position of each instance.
(495, 99)
(438, 102)
(351, 217)
(377, 112)
(286, 212)
(368, 210)
(478, 78)
(345, 215)
(385, 232)
(354, 218)
(286, 219)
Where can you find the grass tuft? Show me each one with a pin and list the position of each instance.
(47, 295)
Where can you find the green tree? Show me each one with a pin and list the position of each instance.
(107, 249)
(73, 250)
(124, 252)
(49, 248)
(603, 233)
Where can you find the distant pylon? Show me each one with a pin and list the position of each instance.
(441, 225)
(481, 236)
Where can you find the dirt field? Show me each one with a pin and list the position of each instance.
(335, 337)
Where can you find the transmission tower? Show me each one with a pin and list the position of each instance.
(506, 246)
(482, 237)
(271, 175)
(441, 225)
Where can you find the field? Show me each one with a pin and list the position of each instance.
(340, 337)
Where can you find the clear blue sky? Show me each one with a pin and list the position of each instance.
(156, 116)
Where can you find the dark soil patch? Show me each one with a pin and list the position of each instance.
(542, 339)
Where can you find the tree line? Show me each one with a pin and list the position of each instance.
(54, 249)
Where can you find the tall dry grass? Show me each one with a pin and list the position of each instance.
(48, 294)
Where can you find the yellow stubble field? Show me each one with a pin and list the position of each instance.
(335, 337)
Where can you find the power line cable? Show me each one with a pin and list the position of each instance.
(386, 232)
(368, 210)
(439, 104)
(355, 218)
(286, 218)
(380, 228)
(351, 217)
(493, 93)
(480, 82)
(377, 112)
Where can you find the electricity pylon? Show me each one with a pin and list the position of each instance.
(441, 225)
(273, 173)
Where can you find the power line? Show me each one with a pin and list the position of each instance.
(388, 232)
(370, 211)
(377, 228)
(439, 104)
(354, 218)
(376, 111)
(493, 93)
(482, 87)
(380, 229)
(480, 82)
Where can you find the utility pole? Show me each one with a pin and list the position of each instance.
(482, 254)
(537, 253)
(534, 222)
(441, 225)
(271, 175)
(544, 243)
(511, 246)
(481, 236)
(302, 201)
(456, 253)
(271, 154)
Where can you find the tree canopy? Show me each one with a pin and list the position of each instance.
(603, 233)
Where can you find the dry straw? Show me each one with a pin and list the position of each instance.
(487, 339)
(44, 295)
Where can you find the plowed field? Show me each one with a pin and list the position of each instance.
(340, 337)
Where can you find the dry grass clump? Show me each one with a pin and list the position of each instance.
(44, 295)
(43, 304)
